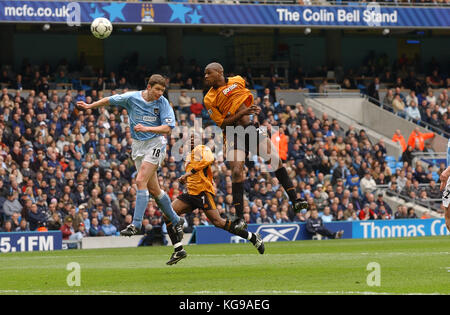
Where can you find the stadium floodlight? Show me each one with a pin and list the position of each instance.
(386, 31)
(307, 31)
(46, 27)
(138, 28)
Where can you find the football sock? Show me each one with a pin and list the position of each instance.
(286, 182)
(173, 237)
(139, 210)
(242, 233)
(238, 198)
(165, 204)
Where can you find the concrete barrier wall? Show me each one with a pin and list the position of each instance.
(380, 120)
(110, 242)
(119, 241)
(175, 94)
(346, 121)
(367, 114)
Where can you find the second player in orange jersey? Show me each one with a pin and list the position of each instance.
(200, 195)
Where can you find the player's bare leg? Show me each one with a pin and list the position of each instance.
(146, 170)
(280, 172)
(214, 217)
(237, 163)
(180, 207)
(447, 218)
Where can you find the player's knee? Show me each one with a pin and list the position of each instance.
(141, 183)
(217, 222)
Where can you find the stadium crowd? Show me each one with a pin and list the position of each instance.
(64, 169)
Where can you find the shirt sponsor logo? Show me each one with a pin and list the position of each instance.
(148, 118)
(229, 89)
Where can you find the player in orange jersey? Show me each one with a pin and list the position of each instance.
(200, 195)
(230, 103)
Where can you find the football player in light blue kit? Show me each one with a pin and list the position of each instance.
(151, 117)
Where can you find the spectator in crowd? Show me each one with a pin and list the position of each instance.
(184, 103)
(23, 226)
(412, 112)
(7, 227)
(196, 107)
(389, 98)
(398, 137)
(399, 106)
(314, 225)
(95, 229)
(401, 212)
(411, 213)
(411, 97)
(407, 156)
(368, 213)
(367, 183)
(107, 228)
(373, 89)
(11, 205)
(417, 139)
(326, 215)
(67, 229)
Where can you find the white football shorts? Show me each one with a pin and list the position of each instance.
(446, 194)
(152, 151)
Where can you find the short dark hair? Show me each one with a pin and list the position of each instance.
(157, 79)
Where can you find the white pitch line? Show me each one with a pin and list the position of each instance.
(269, 292)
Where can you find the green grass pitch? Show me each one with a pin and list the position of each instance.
(406, 265)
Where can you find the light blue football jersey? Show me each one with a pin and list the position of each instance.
(150, 114)
(448, 152)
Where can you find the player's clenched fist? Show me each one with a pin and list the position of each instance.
(83, 105)
(254, 109)
(140, 127)
(183, 179)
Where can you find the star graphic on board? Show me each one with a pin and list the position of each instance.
(96, 13)
(178, 12)
(195, 17)
(115, 11)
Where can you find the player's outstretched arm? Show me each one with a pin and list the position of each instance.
(103, 102)
(183, 178)
(163, 129)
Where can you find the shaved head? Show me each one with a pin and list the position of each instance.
(214, 75)
(215, 66)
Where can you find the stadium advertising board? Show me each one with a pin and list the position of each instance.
(269, 232)
(30, 241)
(355, 229)
(364, 15)
(399, 228)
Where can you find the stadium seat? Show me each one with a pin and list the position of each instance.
(390, 158)
(392, 165)
(435, 176)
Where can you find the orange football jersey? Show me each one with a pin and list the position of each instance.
(225, 100)
(200, 160)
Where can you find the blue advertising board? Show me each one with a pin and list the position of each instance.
(363, 15)
(354, 229)
(30, 241)
(399, 228)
